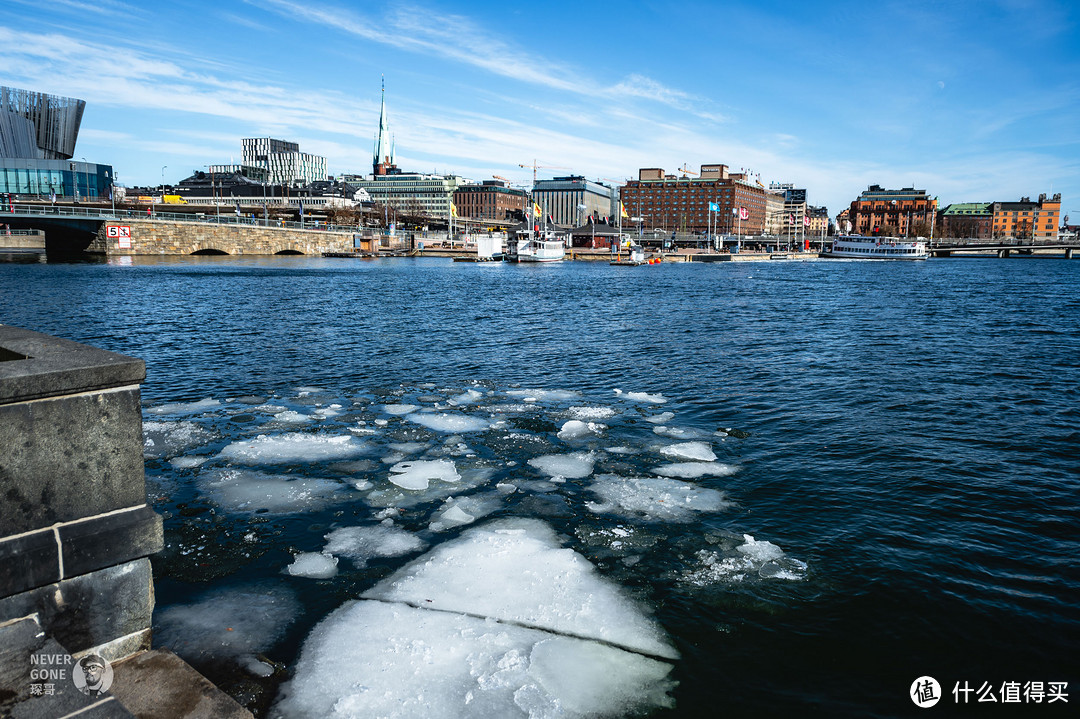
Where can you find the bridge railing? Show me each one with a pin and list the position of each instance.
(97, 213)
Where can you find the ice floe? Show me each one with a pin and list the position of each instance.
(459, 511)
(661, 418)
(544, 395)
(227, 622)
(680, 432)
(654, 499)
(237, 490)
(164, 439)
(420, 473)
(700, 451)
(752, 559)
(467, 397)
(400, 409)
(291, 416)
(293, 447)
(587, 413)
(642, 397)
(693, 470)
(447, 422)
(576, 429)
(203, 405)
(189, 461)
(394, 496)
(565, 466)
(361, 544)
(314, 565)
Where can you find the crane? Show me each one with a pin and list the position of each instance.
(536, 167)
(500, 177)
(686, 170)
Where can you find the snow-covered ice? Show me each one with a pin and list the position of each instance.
(400, 409)
(203, 405)
(752, 559)
(587, 413)
(164, 439)
(661, 418)
(642, 397)
(458, 511)
(544, 395)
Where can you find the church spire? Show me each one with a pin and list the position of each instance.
(384, 147)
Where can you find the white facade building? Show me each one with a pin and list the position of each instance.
(411, 192)
(283, 161)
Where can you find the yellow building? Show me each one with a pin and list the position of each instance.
(1027, 220)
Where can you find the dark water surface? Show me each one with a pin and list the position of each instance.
(910, 432)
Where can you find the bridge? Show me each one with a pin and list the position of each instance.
(73, 231)
(1002, 248)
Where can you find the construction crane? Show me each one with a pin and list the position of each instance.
(686, 170)
(536, 167)
(500, 177)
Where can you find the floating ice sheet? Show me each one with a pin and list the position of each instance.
(448, 422)
(653, 499)
(291, 416)
(661, 418)
(516, 570)
(642, 397)
(576, 429)
(393, 496)
(370, 659)
(400, 409)
(227, 622)
(237, 490)
(544, 395)
(420, 473)
(458, 511)
(681, 432)
(361, 544)
(700, 451)
(314, 565)
(566, 466)
(293, 447)
(203, 405)
(751, 560)
(166, 439)
(587, 413)
(693, 470)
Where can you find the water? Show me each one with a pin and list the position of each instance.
(905, 432)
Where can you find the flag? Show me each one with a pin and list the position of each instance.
(237, 209)
(744, 214)
(622, 210)
(791, 219)
(714, 207)
(453, 210)
(806, 221)
(536, 210)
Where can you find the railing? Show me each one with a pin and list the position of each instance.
(95, 213)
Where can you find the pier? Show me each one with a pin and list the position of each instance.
(1004, 249)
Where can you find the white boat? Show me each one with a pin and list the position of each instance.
(538, 247)
(859, 247)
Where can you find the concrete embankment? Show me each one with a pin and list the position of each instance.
(168, 237)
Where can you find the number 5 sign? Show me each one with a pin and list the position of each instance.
(122, 235)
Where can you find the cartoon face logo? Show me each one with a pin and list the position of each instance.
(92, 675)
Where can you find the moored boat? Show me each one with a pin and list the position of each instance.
(859, 247)
(539, 247)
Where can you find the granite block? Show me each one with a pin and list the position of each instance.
(55, 366)
(69, 457)
(110, 539)
(28, 561)
(91, 609)
(160, 685)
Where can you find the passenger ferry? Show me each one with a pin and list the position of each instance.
(541, 247)
(877, 248)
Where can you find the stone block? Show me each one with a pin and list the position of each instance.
(28, 561)
(160, 685)
(92, 609)
(110, 539)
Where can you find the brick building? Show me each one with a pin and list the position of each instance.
(682, 203)
(490, 200)
(966, 220)
(893, 212)
(1027, 220)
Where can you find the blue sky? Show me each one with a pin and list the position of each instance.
(972, 101)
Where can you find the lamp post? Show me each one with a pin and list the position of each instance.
(163, 168)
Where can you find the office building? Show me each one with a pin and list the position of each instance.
(283, 161)
(901, 213)
(682, 204)
(571, 200)
(1027, 220)
(490, 200)
(38, 133)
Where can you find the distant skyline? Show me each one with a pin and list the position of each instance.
(971, 101)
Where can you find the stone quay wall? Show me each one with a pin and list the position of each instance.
(167, 237)
(75, 529)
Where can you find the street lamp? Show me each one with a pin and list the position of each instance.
(163, 168)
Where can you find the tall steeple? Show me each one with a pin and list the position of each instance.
(383, 158)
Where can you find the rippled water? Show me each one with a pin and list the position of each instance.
(907, 434)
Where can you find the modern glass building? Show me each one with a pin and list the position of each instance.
(38, 133)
